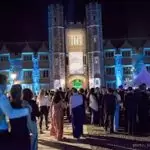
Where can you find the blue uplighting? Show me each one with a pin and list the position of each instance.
(36, 74)
(118, 70)
(16, 67)
(138, 63)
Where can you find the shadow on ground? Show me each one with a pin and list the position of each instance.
(63, 145)
(117, 143)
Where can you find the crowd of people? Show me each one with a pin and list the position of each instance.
(21, 112)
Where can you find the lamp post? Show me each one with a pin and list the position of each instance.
(13, 77)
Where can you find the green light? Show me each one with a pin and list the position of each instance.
(77, 83)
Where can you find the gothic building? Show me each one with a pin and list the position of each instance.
(75, 55)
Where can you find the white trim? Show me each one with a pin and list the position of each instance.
(94, 25)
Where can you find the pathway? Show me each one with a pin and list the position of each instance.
(49, 143)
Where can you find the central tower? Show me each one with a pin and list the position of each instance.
(76, 52)
(76, 49)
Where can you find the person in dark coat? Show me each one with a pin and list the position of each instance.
(131, 109)
(143, 109)
(109, 101)
(27, 96)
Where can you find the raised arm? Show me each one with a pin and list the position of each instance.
(9, 111)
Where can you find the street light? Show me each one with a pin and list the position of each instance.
(13, 76)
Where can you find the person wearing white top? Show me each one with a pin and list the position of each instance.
(43, 102)
(77, 113)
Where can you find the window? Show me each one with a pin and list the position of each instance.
(110, 71)
(27, 75)
(3, 58)
(126, 53)
(127, 70)
(76, 40)
(110, 84)
(27, 57)
(109, 54)
(44, 74)
(147, 53)
(44, 57)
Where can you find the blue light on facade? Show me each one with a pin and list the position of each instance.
(16, 67)
(118, 70)
(137, 63)
(36, 74)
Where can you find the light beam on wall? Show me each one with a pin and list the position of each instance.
(36, 74)
(118, 70)
(137, 63)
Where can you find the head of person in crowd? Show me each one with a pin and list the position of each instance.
(60, 89)
(115, 92)
(121, 87)
(3, 82)
(16, 95)
(52, 93)
(130, 89)
(67, 89)
(56, 97)
(92, 91)
(81, 91)
(97, 90)
(46, 93)
(27, 94)
(74, 90)
(148, 91)
(41, 94)
(104, 90)
(110, 91)
(142, 87)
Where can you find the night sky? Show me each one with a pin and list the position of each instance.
(27, 20)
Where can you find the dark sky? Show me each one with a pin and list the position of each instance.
(27, 20)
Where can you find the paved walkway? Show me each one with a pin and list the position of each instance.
(96, 139)
(49, 143)
(99, 140)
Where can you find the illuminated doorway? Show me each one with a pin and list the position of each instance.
(77, 83)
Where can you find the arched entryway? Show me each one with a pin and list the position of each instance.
(77, 81)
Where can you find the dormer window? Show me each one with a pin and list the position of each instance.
(27, 57)
(44, 57)
(126, 53)
(4, 58)
(110, 71)
(109, 54)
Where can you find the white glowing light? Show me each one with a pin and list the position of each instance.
(76, 63)
(91, 83)
(62, 83)
(13, 76)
